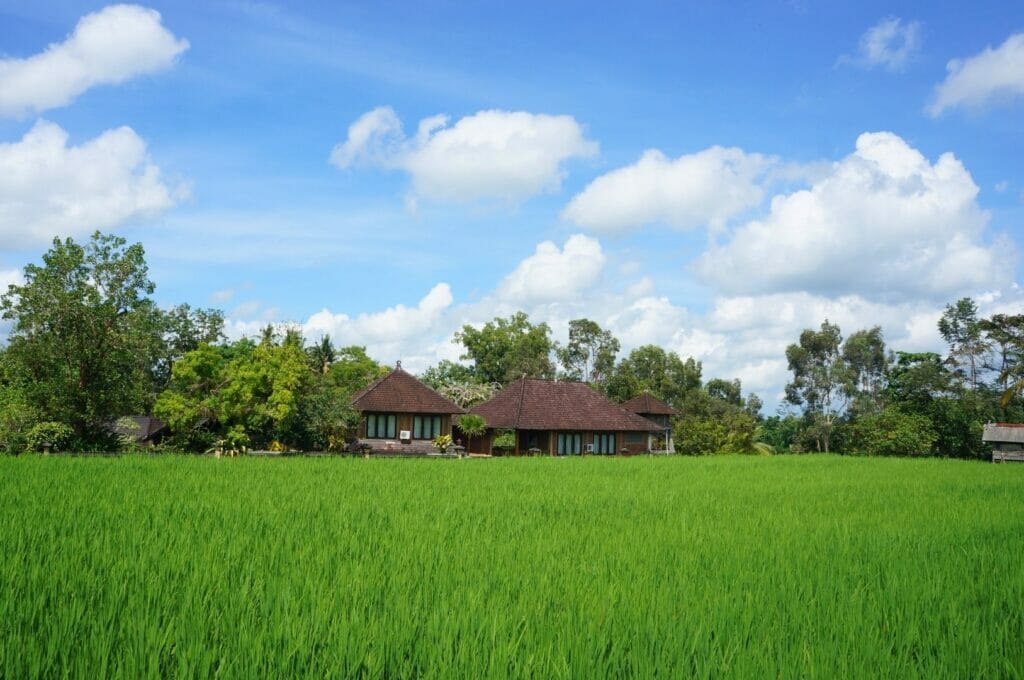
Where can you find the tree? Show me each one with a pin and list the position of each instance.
(589, 356)
(353, 369)
(962, 331)
(729, 391)
(472, 425)
(458, 383)
(892, 432)
(82, 346)
(651, 369)
(183, 330)
(818, 378)
(504, 350)
(322, 355)
(866, 364)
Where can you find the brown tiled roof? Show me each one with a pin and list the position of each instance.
(648, 403)
(140, 428)
(399, 392)
(531, 404)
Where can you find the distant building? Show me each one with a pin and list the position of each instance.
(657, 411)
(142, 430)
(399, 414)
(1007, 440)
(563, 418)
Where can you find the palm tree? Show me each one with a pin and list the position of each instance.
(322, 355)
(473, 426)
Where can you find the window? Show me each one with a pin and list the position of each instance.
(636, 437)
(570, 443)
(604, 443)
(426, 427)
(380, 425)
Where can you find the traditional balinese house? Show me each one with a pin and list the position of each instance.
(399, 414)
(657, 411)
(562, 418)
(1007, 440)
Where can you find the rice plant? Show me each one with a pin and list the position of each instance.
(648, 567)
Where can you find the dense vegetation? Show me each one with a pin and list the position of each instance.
(89, 345)
(808, 566)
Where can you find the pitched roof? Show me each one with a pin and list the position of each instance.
(399, 392)
(140, 428)
(648, 403)
(1004, 433)
(531, 404)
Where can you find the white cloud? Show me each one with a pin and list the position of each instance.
(1002, 186)
(394, 333)
(110, 46)
(885, 223)
(48, 188)
(553, 274)
(704, 188)
(222, 296)
(491, 155)
(10, 277)
(977, 81)
(890, 43)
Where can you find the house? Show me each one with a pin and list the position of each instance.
(657, 411)
(141, 430)
(1007, 440)
(399, 414)
(562, 418)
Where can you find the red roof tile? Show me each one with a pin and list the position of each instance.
(399, 392)
(649, 404)
(531, 404)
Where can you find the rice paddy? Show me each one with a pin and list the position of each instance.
(647, 567)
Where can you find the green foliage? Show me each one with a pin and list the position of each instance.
(353, 369)
(779, 432)
(457, 383)
(589, 355)
(16, 418)
(49, 435)
(504, 350)
(609, 567)
(652, 369)
(865, 364)
(85, 333)
(892, 432)
(961, 329)
(819, 375)
(504, 440)
(472, 425)
(733, 432)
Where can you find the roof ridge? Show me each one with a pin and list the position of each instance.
(522, 398)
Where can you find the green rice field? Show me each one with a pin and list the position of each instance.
(811, 566)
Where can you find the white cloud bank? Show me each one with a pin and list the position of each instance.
(891, 43)
(496, 155)
(988, 76)
(110, 46)
(703, 188)
(48, 188)
(884, 223)
(552, 274)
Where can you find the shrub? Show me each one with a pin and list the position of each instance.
(48, 435)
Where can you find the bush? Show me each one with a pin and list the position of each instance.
(894, 433)
(48, 435)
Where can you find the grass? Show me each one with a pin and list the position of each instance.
(809, 566)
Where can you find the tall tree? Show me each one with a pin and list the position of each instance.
(962, 331)
(504, 350)
(651, 369)
(866, 364)
(353, 369)
(589, 355)
(818, 378)
(322, 355)
(1005, 336)
(82, 345)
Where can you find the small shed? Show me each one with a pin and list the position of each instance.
(1007, 440)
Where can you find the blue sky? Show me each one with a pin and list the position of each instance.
(710, 178)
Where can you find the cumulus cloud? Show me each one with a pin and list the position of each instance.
(110, 46)
(891, 43)
(48, 188)
(704, 188)
(977, 81)
(491, 155)
(885, 222)
(554, 274)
